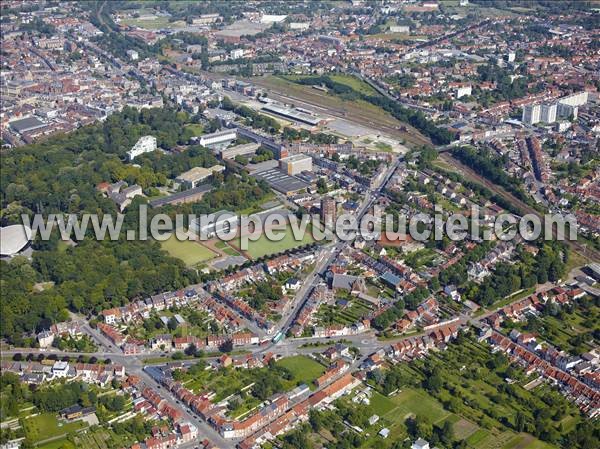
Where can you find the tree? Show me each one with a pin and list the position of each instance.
(172, 323)
(226, 346)
(192, 350)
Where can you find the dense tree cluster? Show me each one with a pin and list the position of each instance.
(305, 135)
(547, 265)
(410, 301)
(60, 175)
(491, 167)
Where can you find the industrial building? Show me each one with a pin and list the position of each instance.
(278, 150)
(295, 164)
(197, 175)
(187, 196)
(282, 182)
(26, 124)
(292, 114)
(239, 150)
(218, 138)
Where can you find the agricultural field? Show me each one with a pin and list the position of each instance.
(47, 426)
(190, 252)
(225, 248)
(353, 311)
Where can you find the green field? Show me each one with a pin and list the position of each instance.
(152, 24)
(226, 249)
(46, 425)
(61, 443)
(189, 251)
(197, 128)
(304, 369)
(357, 308)
(354, 83)
(382, 146)
(264, 247)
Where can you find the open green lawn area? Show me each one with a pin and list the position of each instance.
(189, 251)
(61, 443)
(303, 368)
(354, 83)
(46, 425)
(153, 24)
(525, 441)
(419, 258)
(264, 247)
(382, 146)
(415, 402)
(197, 128)
(225, 248)
(409, 402)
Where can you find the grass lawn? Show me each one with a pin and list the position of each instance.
(197, 128)
(61, 443)
(46, 425)
(514, 297)
(526, 441)
(225, 248)
(414, 402)
(153, 24)
(382, 146)
(354, 83)
(189, 251)
(264, 247)
(380, 404)
(304, 369)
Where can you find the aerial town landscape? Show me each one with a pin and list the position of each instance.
(216, 335)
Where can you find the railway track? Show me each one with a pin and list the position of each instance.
(366, 120)
(587, 253)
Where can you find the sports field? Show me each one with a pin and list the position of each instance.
(189, 251)
(264, 247)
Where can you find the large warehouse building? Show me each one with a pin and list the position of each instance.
(296, 164)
